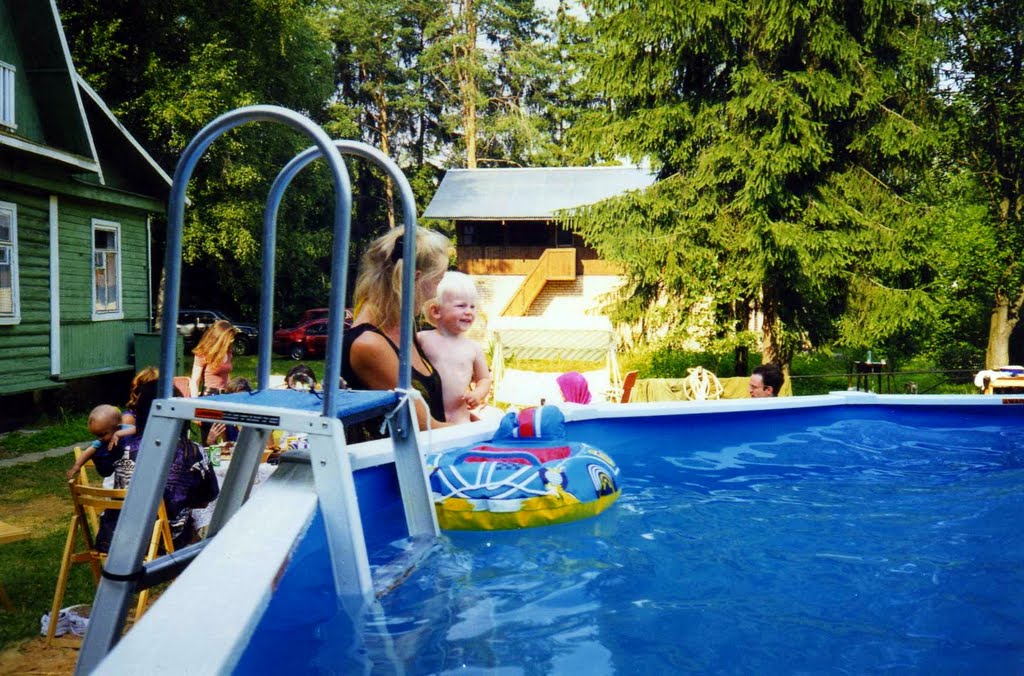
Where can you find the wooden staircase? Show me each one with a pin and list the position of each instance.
(553, 265)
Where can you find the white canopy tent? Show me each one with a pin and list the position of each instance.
(578, 339)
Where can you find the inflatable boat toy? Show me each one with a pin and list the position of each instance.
(528, 475)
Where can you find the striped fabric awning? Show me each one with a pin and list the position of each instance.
(542, 338)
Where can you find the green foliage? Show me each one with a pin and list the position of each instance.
(984, 65)
(666, 360)
(788, 136)
(168, 70)
(964, 255)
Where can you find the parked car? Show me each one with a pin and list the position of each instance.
(321, 313)
(313, 313)
(192, 324)
(305, 340)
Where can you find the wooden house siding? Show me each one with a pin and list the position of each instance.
(24, 347)
(520, 260)
(86, 346)
(94, 346)
(66, 163)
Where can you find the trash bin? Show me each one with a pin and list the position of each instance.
(147, 352)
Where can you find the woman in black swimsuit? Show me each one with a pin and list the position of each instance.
(369, 357)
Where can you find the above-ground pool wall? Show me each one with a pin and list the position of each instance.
(215, 604)
(232, 582)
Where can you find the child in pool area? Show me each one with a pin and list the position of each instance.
(109, 426)
(301, 377)
(465, 378)
(574, 388)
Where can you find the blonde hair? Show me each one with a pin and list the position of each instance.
(146, 375)
(379, 285)
(456, 285)
(105, 415)
(216, 342)
(453, 285)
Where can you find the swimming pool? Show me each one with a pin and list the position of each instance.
(854, 537)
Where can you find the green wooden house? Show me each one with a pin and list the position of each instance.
(77, 199)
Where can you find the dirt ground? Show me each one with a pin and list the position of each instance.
(35, 657)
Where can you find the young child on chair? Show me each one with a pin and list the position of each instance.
(465, 378)
(109, 426)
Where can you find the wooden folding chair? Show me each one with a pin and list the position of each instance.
(627, 386)
(100, 499)
(83, 479)
(9, 533)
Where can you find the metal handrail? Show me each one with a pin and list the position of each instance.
(332, 367)
(175, 226)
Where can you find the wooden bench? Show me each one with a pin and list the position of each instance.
(8, 534)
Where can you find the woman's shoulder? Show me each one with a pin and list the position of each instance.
(366, 334)
(366, 340)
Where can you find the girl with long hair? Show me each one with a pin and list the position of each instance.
(211, 369)
(369, 358)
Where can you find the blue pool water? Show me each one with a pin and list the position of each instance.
(840, 540)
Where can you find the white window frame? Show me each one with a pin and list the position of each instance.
(108, 226)
(7, 73)
(14, 317)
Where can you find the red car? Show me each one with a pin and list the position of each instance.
(314, 313)
(309, 338)
(305, 340)
(321, 313)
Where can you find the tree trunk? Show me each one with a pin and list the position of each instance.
(467, 82)
(769, 326)
(158, 311)
(383, 124)
(1001, 323)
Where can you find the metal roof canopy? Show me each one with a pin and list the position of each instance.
(529, 193)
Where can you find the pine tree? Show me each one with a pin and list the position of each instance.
(986, 40)
(787, 135)
(493, 68)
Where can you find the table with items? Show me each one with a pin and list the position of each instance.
(220, 460)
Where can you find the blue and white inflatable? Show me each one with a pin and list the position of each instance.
(528, 475)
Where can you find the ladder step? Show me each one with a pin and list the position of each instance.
(352, 405)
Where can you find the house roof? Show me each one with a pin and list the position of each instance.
(64, 135)
(72, 116)
(531, 193)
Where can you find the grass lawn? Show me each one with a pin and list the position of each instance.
(46, 433)
(35, 496)
(245, 367)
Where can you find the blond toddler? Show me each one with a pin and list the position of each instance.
(465, 378)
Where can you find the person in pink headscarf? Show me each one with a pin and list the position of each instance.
(574, 387)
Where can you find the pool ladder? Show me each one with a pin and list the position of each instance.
(322, 418)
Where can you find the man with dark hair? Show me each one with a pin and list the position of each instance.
(766, 381)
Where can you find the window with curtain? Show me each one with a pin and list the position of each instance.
(7, 95)
(9, 305)
(106, 267)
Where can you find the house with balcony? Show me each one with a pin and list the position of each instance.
(78, 195)
(507, 236)
(542, 287)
